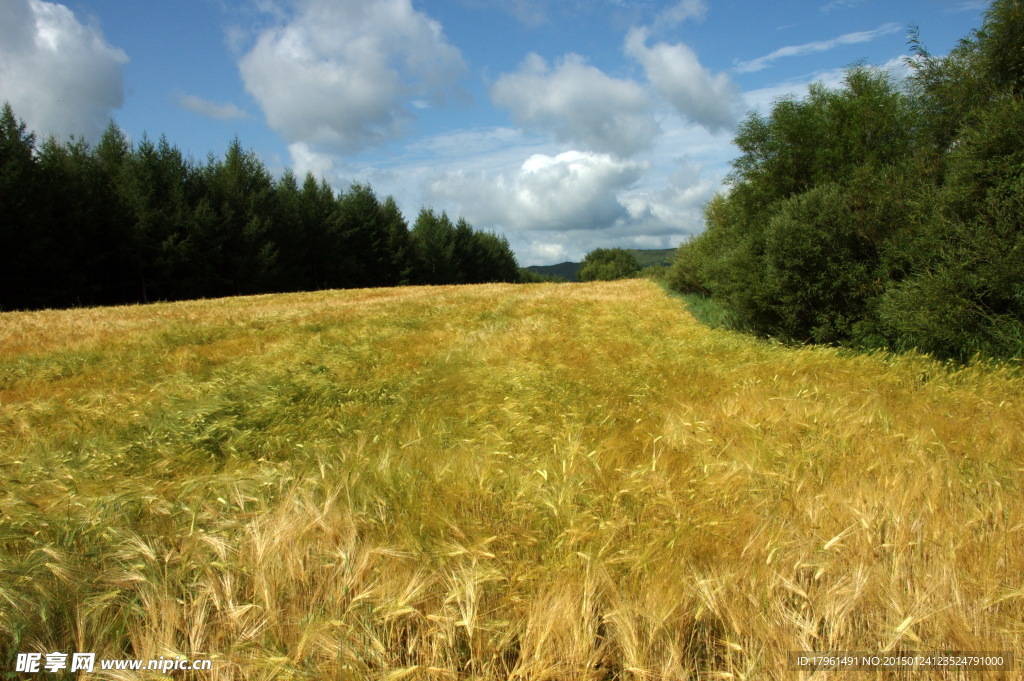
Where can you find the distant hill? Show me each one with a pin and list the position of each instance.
(565, 270)
(646, 257)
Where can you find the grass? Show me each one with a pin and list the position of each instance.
(543, 482)
(710, 312)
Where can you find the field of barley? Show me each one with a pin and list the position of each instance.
(573, 482)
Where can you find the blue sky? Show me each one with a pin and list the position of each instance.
(566, 125)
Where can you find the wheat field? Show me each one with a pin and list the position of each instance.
(535, 482)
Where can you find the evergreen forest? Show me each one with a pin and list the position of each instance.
(120, 223)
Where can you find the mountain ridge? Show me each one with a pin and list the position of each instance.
(568, 270)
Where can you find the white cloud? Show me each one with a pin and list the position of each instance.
(543, 251)
(464, 146)
(819, 46)
(682, 10)
(305, 159)
(899, 68)
(579, 103)
(344, 73)
(60, 76)
(575, 190)
(557, 208)
(203, 107)
(555, 205)
(708, 99)
(677, 206)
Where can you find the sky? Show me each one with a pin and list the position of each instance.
(566, 125)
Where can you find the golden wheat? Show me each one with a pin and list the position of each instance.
(545, 482)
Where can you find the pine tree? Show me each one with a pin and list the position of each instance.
(496, 261)
(321, 226)
(364, 238)
(401, 265)
(65, 226)
(113, 267)
(18, 236)
(433, 240)
(240, 195)
(466, 265)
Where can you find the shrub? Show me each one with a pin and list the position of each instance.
(872, 215)
(605, 264)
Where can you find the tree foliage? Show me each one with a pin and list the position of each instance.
(605, 264)
(120, 223)
(878, 214)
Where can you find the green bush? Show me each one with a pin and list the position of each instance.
(605, 264)
(818, 267)
(527, 276)
(874, 215)
(656, 273)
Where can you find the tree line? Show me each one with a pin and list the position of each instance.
(118, 223)
(880, 214)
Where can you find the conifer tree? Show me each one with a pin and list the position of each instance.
(399, 250)
(434, 242)
(18, 238)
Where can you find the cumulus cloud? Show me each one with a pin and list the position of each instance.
(710, 100)
(574, 190)
(62, 77)
(344, 73)
(545, 252)
(305, 159)
(203, 107)
(818, 46)
(555, 205)
(579, 104)
(674, 208)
